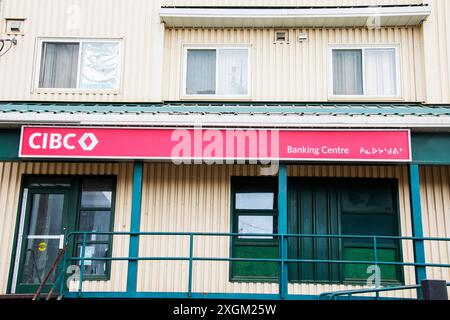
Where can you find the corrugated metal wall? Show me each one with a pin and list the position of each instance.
(137, 23)
(295, 71)
(437, 54)
(143, 35)
(197, 198)
(10, 178)
(435, 198)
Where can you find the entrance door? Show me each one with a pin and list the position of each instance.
(44, 225)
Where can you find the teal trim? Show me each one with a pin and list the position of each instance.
(283, 229)
(9, 142)
(431, 148)
(205, 296)
(416, 212)
(177, 107)
(135, 227)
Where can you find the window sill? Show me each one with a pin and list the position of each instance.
(76, 91)
(365, 98)
(215, 98)
(253, 280)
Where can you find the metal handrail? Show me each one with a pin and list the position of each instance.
(49, 273)
(350, 293)
(191, 258)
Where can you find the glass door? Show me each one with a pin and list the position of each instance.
(45, 222)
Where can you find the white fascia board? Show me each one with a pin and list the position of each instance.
(176, 16)
(254, 121)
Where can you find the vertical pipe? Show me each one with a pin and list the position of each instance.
(416, 213)
(135, 227)
(191, 253)
(63, 275)
(282, 229)
(83, 253)
(377, 274)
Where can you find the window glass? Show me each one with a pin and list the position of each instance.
(347, 72)
(368, 224)
(201, 72)
(99, 65)
(38, 262)
(252, 201)
(59, 65)
(231, 77)
(233, 72)
(380, 70)
(95, 216)
(46, 214)
(378, 79)
(96, 193)
(95, 221)
(367, 198)
(255, 224)
(80, 65)
(94, 267)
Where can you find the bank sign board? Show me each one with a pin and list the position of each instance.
(179, 144)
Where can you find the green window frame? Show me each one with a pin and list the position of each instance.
(254, 209)
(384, 221)
(95, 241)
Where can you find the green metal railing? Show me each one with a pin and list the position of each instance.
(351, 293)
(282, 276)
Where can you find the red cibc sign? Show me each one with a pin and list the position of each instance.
(215, 144)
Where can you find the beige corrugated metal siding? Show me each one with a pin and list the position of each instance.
(10, 178)
(143, 35)
(435, 198)
(197, 198)
(136, 23)
(295, 71)
(437, 54)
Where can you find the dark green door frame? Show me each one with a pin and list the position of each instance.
(68, 223)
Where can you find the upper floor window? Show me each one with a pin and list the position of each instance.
(217, 72)
(85, 65)
(365, 72)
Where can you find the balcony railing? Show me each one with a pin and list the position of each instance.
(283, 261)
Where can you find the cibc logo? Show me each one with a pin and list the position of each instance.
(56, 141)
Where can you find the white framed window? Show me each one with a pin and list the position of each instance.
(216, 71)
(369, 72)
(81, 65)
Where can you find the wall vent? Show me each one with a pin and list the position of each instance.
(281, 36)
(15, 26)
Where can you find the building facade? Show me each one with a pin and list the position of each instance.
(220, 149)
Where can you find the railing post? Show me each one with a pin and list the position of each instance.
(416, 215)
(63, 271)
(83, 253)
(135, 227)
(282, 230)
(191, 253)
(377, 274)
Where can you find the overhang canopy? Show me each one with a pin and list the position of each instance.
(255, 114)
(277, 17)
